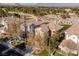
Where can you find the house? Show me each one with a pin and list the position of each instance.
(71, 41)
(70, 21)
(39, 41)
(7, 22)
(73, 20)
(66, 21)
(72, 14)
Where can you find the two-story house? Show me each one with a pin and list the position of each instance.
(71, 42)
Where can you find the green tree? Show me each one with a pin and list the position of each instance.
(56, 39)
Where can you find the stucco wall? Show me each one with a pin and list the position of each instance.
(73, 37)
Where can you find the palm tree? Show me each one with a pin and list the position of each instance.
(49, 38)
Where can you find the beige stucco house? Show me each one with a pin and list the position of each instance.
(71, 42)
